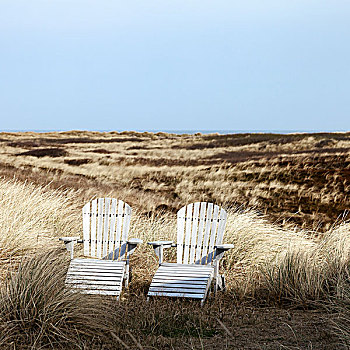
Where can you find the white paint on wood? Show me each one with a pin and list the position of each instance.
(179, 283)
(194, 231)
(106, 226)
(177, 290)
(119, 228)
(94, 276)
(199, 227)
(109, 229)
(188, 266)
(213, 234)
(221, 228)
(108, 264)
(99, 227)
(183, 278)
(101, 292)
(179, 270)
(94, 287)
(200, 232)
(86, 228)
(188, 223)
(112, 225)
(93, 227)
(207, 232)
(177, 295)
(180, 233)
(126, 225)
(99, 276)
(100, 284)
(96, 261)
(94, 269)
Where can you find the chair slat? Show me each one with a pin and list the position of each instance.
(179, 278)
(98, 262)
(101, 292)
(187, 281)
(106, 227)
(200, 232)
(112, 225)
(174, 273)
(86, 228)
(94, 282)
(207, 233)
(119, 229)
(93, 270)
(89, 287)
(180, 283)
(188, 266)
(213, 234)
(221, 228)
(180, 233)
(126, 224)
(93, 276)
(188, 221)
(93, 227)
(99, 227)
(158, 289)
(178, 295)
(194, 231)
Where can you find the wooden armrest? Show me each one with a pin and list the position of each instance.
(69, 239)
(132, 245)
(220, 251)
(224, 247)
(69, 243)
(166, 244)
(134, 241)
(159, 246)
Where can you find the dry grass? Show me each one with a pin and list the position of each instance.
(291, 250)
(304, 178)
(31, 215)
(320, 273)
(36, 311)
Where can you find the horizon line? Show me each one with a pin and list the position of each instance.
(181, 131)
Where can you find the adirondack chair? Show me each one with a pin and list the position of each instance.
(106, 223)
(200, 231)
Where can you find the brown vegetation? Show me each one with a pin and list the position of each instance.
(302, 178)
(287, 277)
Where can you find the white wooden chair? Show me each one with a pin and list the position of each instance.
(106, 223)
(200, 231)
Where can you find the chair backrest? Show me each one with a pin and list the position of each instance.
(200, 226)
(106, 223)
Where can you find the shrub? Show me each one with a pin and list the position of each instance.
(45, 152)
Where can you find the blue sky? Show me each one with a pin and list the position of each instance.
(172, 65)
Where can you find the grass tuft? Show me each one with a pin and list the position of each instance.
(38, 311)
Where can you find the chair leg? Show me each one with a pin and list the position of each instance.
(216, 277)
(220, 283)
(126, 275)
(217, 283)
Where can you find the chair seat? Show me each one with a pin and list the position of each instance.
(182, 280)
(92, 276)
